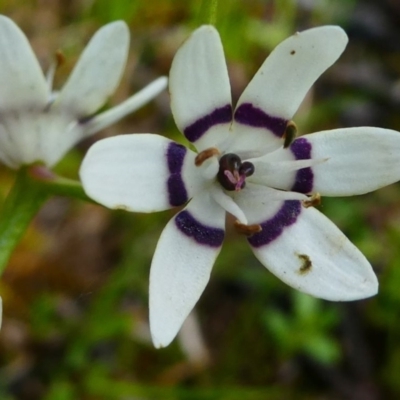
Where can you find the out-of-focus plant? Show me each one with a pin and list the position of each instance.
(304, 330)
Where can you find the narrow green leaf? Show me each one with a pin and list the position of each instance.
(20, 206)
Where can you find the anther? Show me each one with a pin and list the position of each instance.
(290, 134)
(60, 58)
(247, 230)
(313, 201)
(247, 169)
(205, 155)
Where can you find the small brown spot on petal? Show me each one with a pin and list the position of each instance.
(247, 230)
(205, 155)
(306, 264)
(293, 52)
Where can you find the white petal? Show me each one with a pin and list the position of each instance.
(134, 102)
(141, 172)
(308, 252)
(359, 160)
(287, 169)
(284, 79)
(22, 82)
(98, 71)
(278, 167)
(260, 203)
(200, 89)
(182, 265)
(227, 203)
(280, 85)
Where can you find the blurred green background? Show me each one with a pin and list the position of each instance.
(75, 292)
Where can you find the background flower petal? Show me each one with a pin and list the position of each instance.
(182, 264)
(114, 114)
(22, 82)
(97, 72)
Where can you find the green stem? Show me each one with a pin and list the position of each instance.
(57, 185)
(21, 205)
(213, 12)
(65, 187)
(32, 187)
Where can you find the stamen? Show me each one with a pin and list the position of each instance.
(247, 230)
(205, 155)
(290, 134)
(59, 59)
(232, 172)
(313, 201)
(247, 169)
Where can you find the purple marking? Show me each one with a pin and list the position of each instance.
(301, 149)
(202, 234)
(247, 114)
(220, 115)
(273, 228)
(176, 187)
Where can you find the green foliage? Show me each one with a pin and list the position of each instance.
(20, 206)
(307, 330)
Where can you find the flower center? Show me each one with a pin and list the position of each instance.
(232, 172)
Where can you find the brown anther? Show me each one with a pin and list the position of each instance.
(205, 155)
(60, 58)
(247, 230)
(313, 201)
(290, 134)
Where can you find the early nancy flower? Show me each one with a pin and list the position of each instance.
(39, 125)
(249, 166)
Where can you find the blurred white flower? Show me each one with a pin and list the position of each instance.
(39, 125)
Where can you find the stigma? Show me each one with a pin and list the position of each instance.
(232, 172)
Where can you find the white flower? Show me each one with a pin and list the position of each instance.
(38, 125)
(243, 167)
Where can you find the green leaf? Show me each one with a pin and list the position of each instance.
(20, 206)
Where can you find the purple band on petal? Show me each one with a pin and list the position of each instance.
(202, 234)
(301, 149)
(273, 228)
(220, 115)
(249, 115)
(176, 187)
